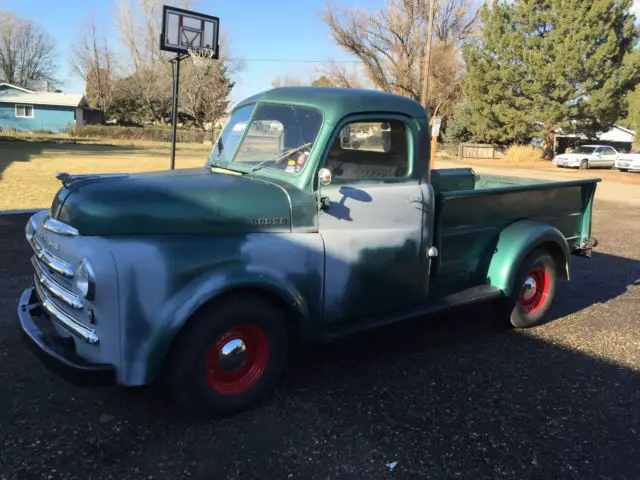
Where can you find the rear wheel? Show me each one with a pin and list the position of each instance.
(584, 164)
(229, 358)
(533, 291)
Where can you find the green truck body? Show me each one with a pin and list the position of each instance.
(316, 215)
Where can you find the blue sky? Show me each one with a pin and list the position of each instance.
(257, 29)
(277, 29)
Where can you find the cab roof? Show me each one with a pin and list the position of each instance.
(337, 102)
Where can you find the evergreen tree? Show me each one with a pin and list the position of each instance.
(457, 128)
(633, 118)
(547, 64)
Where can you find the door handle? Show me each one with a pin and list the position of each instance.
(324, 202)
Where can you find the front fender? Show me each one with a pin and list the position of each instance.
(182, 306)
(516, 241)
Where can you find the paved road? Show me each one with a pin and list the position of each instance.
(452, 397)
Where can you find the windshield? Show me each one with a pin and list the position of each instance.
(584, 149)
(277, 137)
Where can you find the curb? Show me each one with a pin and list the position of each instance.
(20, 212)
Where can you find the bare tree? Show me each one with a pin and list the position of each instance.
(92, 61)
(204, 92)
(456, 21)
(26, 50)
(391, 45)
(342, 76)
(140, 25)
(286, 81)
(323, 81)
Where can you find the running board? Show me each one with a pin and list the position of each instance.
(472, 295)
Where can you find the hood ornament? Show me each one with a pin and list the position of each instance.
(64, 177)
(68, 179)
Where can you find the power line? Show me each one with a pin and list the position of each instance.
(291, 60)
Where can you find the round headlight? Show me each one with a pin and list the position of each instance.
(83, 278)
(29, 230)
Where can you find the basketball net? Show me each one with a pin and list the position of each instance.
(200, 56)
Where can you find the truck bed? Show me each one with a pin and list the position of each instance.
(471, 210)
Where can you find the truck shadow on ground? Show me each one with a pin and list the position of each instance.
(454, 392)
(457, 392)
(599, 279)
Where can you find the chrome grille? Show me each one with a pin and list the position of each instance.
(56, 290)
(50, 260)
(66, 321)
(53, 283)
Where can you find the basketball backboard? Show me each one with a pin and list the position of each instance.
(183, 30)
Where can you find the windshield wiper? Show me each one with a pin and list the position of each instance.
(281, 157)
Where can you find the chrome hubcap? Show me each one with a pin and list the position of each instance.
(529, 288)
(232, 355)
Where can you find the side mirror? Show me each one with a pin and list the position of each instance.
(324, 175)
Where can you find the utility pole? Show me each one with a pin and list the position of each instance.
(425, 81)
(427, 55)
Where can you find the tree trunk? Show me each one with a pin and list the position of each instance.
(549, 144)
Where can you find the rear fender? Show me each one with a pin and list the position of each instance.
(516, 241)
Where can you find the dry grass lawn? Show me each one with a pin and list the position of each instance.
(28, 168)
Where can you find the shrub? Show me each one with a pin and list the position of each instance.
(156, 134)
(524, 154)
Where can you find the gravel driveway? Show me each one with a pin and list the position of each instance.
(454, 396)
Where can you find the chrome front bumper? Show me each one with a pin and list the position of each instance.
(56, 352)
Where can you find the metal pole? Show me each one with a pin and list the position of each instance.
(427, 56)
(174, 112)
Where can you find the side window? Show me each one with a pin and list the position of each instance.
(609, 151)
(370, 150)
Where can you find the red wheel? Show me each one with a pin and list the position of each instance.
(221, 364)
(533, 291)
(237, 360)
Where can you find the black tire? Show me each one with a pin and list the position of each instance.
(526, 309)
(584, 164)
(623, 169)
(197, 378)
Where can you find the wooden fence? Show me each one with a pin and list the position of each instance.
(480, 150)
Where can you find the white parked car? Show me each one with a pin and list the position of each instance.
(628, 161)
(588, 156)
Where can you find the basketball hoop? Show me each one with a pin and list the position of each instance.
(200, 56)
(185, 32)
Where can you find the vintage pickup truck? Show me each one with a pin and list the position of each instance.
(204, 278)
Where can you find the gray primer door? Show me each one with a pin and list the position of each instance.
(375, 235)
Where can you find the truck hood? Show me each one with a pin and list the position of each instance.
(189, 201)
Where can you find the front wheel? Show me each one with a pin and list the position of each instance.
(533, 291)
(584, 165)
(229, 358)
